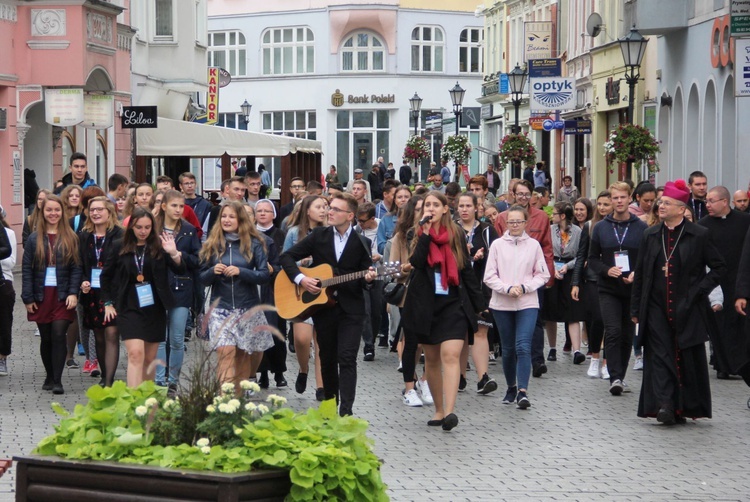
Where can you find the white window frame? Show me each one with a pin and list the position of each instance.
(293, 47)
(163, 38)
(370, 50)
(233, 53)
(468, 45)
(201, 20)
(433, 46)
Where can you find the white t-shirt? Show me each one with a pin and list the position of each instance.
(10, 261)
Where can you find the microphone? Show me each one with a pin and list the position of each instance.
(425, 219)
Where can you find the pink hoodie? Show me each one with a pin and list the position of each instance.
(515, 261)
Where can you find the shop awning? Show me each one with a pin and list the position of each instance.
(180, 138)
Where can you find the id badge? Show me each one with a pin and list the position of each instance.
(145, 295)
(559, 265)
(622, 261)
(439, 289)
(96, 274)
(50, 277)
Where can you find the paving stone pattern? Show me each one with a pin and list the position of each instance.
(576, 442)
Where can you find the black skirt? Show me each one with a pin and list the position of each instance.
(448, 322)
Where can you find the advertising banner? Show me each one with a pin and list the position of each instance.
(98, 111)
(63, 107)
(537, 40)
(212, 96)
(552, 94)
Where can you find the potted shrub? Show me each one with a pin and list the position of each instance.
(416, 149)
(516, 148)
(206, 444)
(632, 143)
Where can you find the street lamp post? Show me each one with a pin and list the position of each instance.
(517, 81)
(415, 102)
(245, 110)
(457, 98)
(633, 47)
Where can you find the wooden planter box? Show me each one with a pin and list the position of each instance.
(41, 478)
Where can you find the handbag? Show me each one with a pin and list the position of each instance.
(394, 293)
(201, 320)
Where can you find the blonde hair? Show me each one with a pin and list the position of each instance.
(112, 220)
(621, 186)
(66, 241)
(216, 243)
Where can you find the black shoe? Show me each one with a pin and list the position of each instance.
(552, 356)
(435, 423)
(281, 381)
(567, 347)
(291, 345)
(450, 421)
(172, 390)
(369, 353)
(722, 375)
(486, 385)
(320, 394)
(47, 385)
(510, 395)
(538, 370)
(421, 359)
(383, 341)
(578, 357)
(103, 382)
(462, 384)
(666, 416)
(188, 335)
(522, 402)
(57, 388)
(301, 383)
(263, 382)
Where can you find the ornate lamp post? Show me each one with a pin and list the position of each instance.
(415, 102)
(245, 110)
(517, 81)
(457, 98)
(633, 47)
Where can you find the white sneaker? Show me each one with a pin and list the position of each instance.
(593, 371)
(37, 333)
(638, 363)
(626, 388)
(605, 373)
(424, 388)
(411, 398)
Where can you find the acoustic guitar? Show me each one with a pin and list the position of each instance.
(295, 303)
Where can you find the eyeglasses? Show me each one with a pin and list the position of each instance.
(188, 183)
(337, 210)
(709, 201)
(523, 195)
(515, 223)
(97, 209)
(298, 187)
(362, 222)
(261, 211)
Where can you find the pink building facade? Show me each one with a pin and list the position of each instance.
(82, 47)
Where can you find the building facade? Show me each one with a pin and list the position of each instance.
(342, 73)
(64, 70)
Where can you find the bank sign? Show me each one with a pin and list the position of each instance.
(554, 93)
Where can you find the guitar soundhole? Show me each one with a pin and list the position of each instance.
(308, 297)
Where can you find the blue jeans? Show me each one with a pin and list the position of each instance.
(176, 321)
(516, 331)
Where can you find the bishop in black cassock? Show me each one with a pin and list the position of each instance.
(670, 301)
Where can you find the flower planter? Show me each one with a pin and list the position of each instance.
(42, 478)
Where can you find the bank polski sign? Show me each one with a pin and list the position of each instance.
(552, 93)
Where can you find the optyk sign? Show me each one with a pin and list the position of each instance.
(555, 93)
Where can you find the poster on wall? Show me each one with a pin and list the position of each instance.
(98, 111)
(537, 40)
(17, 178)
(63, 107)
(742, 67)
(552, 93)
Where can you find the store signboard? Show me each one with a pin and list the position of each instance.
(742, 67)
(537, 40)
(212, 96)
(552, 93)
(540, 68)
(739, 24)
(63, 107)
(98, 111)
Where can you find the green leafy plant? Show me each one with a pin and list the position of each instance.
(516, 148)
(456, 148)
(632, 143)
(417, 148)
(327, 456)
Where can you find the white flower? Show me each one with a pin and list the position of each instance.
(276, 400)
(141, 411)
(150, 402)
(168, 404)
(206, 450)
(234, 404)
(262, 408)
(210, 408)
(245, 384)
(225, 408)
(250, 406)
(202, 442)
(227, 388)
(238, 431)
(217, 401)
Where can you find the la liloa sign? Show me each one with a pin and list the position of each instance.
(139, 117)
(552, 93)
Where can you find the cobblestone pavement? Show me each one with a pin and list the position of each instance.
(576, 442)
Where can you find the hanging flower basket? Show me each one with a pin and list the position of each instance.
(456, 148)
(417, 148)
(632, 143)
(516, 148)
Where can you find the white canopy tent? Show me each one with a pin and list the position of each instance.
(190, 139)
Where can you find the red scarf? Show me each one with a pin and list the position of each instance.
(441, 254)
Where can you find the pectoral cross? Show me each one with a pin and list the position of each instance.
(665, 268)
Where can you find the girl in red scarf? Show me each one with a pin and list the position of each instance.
(442, 303)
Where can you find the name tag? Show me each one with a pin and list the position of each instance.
(145, 295)
(50, 277)
(439, 289)
(96, 274)
(559, 265)
(622, 261)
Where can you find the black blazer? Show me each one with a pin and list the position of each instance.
(109, 241)
(417, 313)
(115, 277)
(693, 316)
(356, 257)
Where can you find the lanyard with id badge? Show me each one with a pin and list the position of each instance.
(142, 289)
(622, 261)
(50, 275)
(96, 272)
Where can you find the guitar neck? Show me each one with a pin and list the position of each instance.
(340, 279)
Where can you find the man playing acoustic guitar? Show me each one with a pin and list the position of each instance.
(339, 327)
